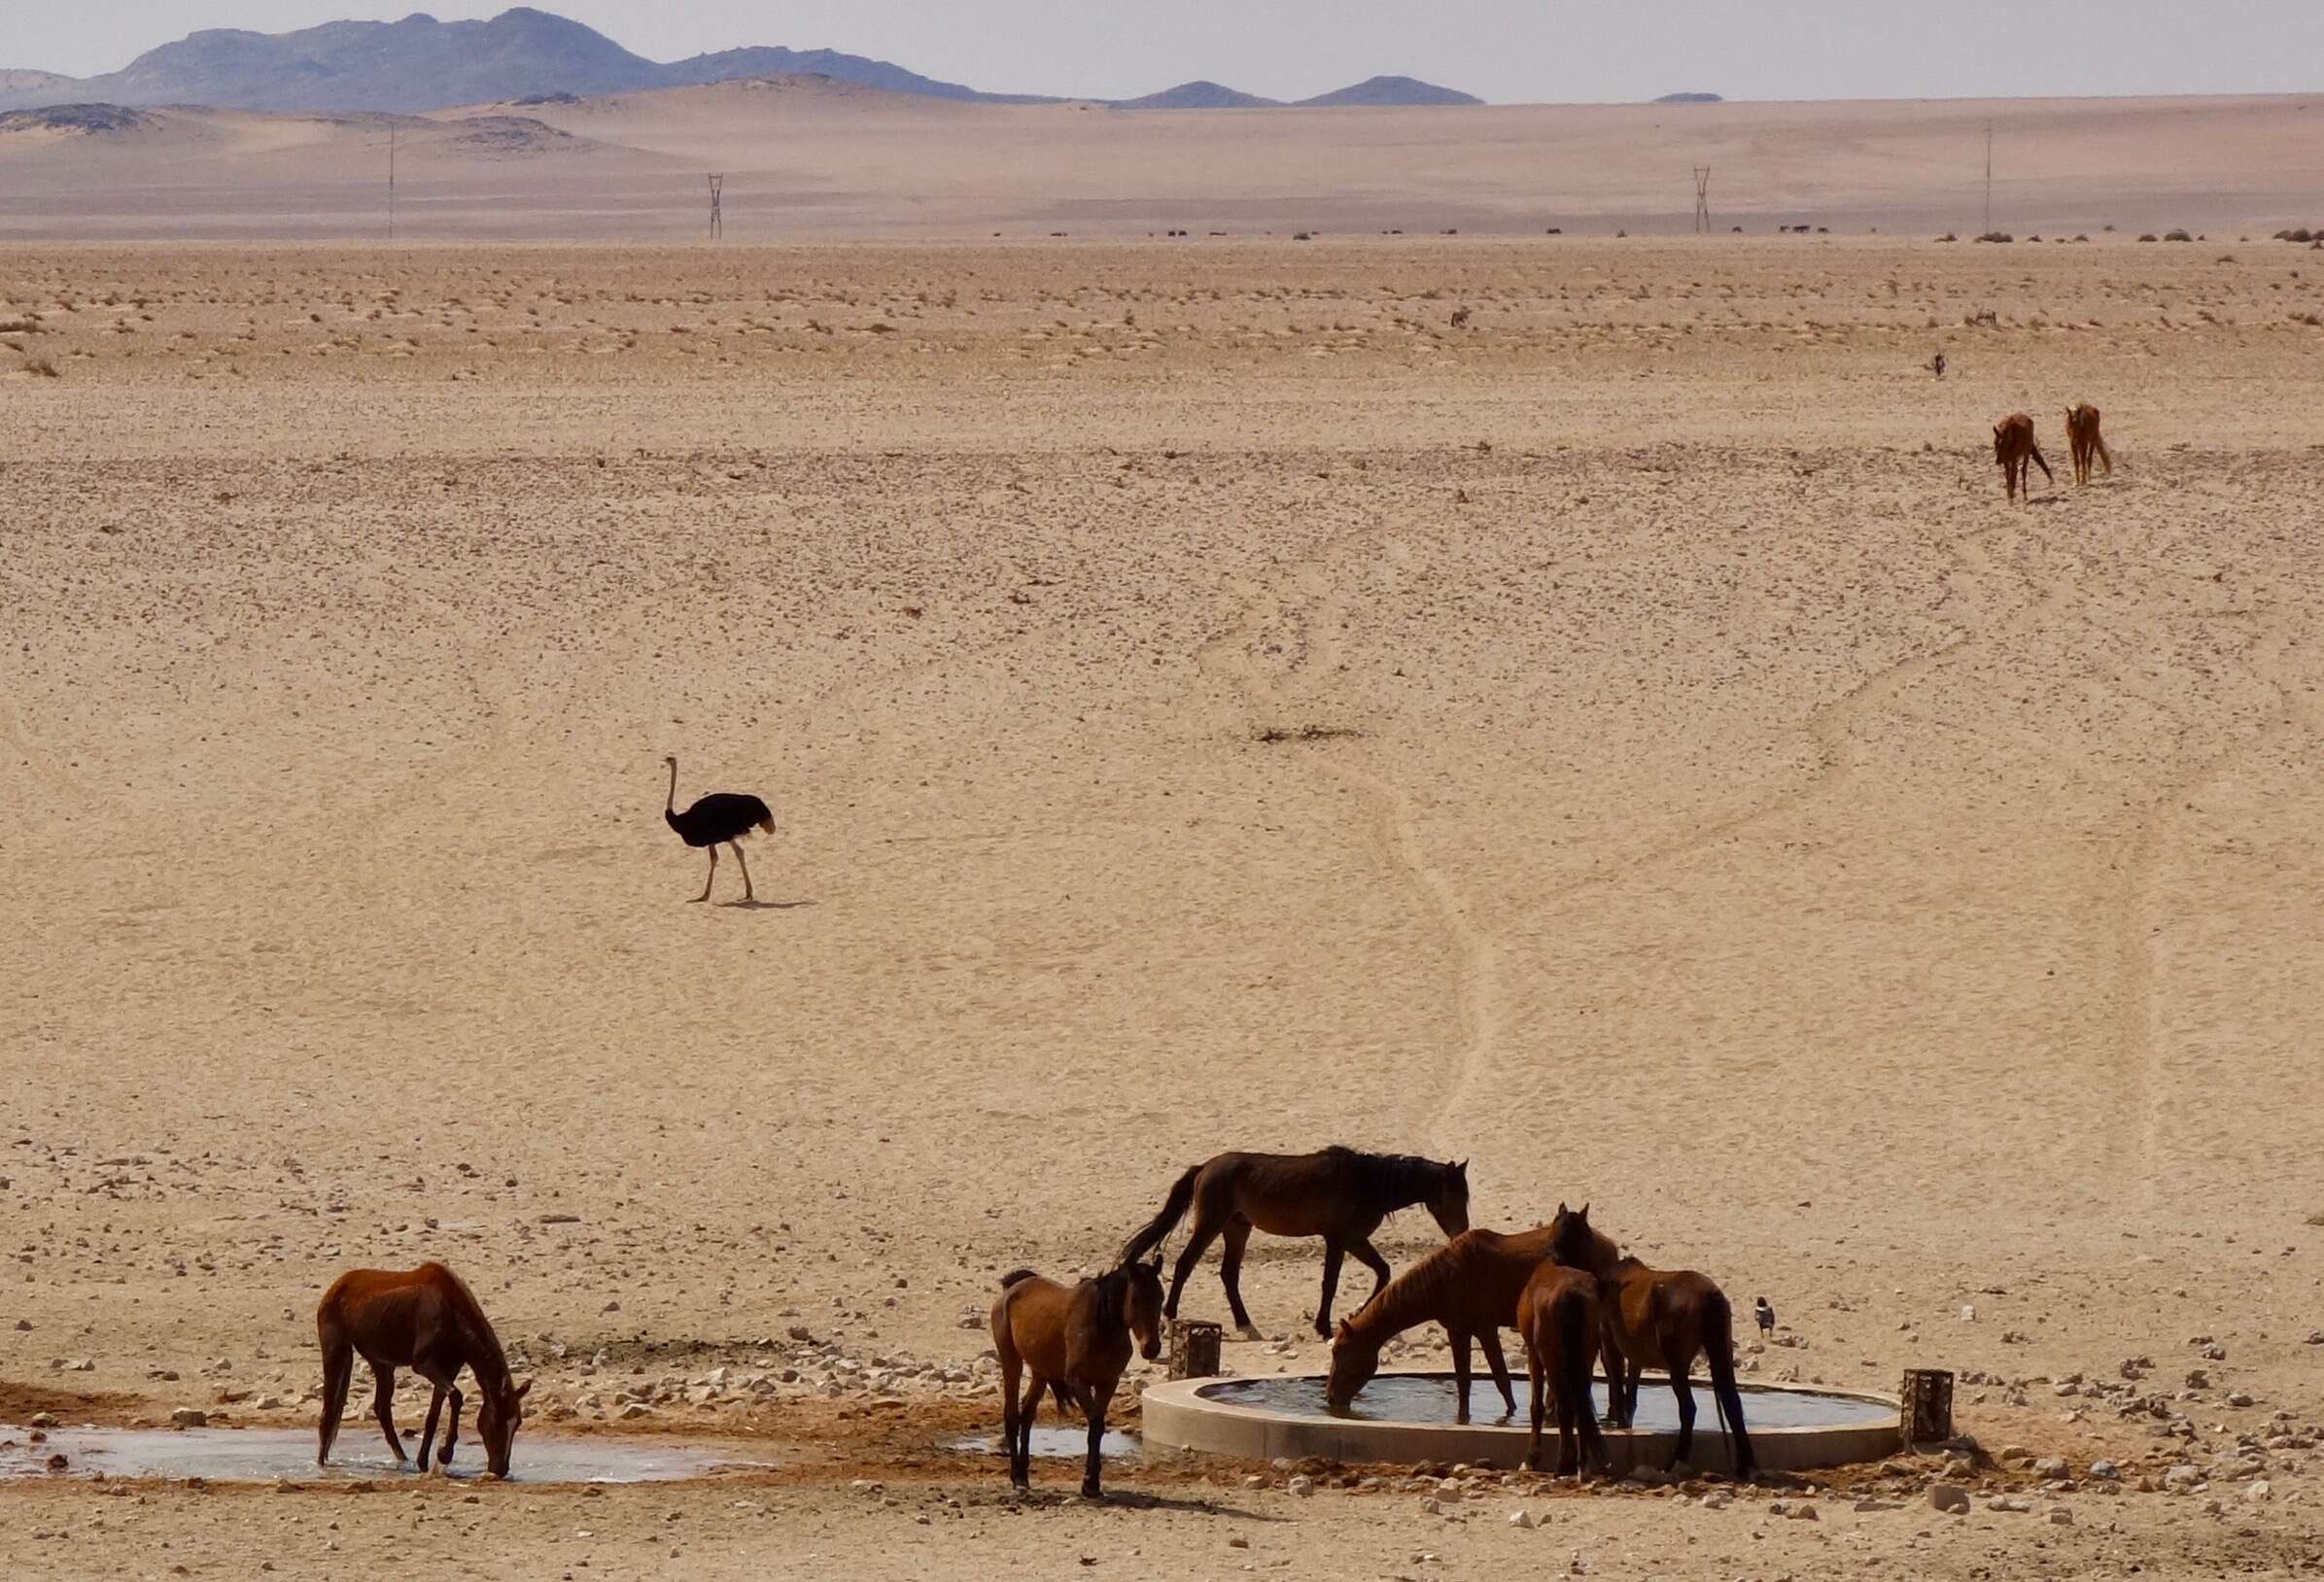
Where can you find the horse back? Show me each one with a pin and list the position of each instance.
(1029, 1317)
(387, 1313)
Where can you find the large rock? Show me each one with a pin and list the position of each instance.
(1950, 1498)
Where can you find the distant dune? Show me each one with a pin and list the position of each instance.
(1391, 91)
(1198, 95)
(1691, 98)
(818, 156)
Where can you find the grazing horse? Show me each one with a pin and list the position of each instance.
(1075, 1341)
(1336, 1193)
(2013, 447)
(1471, 1285)
(425, 1319)
(1658, 1318)
(1558, 1315)
(2082, 434)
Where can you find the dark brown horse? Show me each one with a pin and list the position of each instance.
(2083, 436)
(1075, 1342)
(425, 1319)
(1336, 1193)
(1558, 1315)
(1662, 1319)
(2013, 447)
(1470, 1285)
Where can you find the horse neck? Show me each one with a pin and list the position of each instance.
(480, 1347)
(1406, 1301)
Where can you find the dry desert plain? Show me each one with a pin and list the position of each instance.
(1582, 705)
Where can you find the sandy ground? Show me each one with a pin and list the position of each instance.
(1580, 705)
(813, 159)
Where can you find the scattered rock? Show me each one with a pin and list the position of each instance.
(2051, 1466)
(2257, 1490)
(2060, 1516)
(188, 1417)
(1521, 1518)
(2106, 1470)
(1948, 1497)
(1302, 1485)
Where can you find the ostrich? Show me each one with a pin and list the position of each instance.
(722, 817)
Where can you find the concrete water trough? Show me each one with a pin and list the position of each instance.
(1409, 1417)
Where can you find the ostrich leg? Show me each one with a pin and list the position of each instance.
(737, 847)
(713, 877)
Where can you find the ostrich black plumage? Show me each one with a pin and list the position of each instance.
(721, 818)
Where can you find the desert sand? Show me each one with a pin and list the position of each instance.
(808, 159)
(1580, 705)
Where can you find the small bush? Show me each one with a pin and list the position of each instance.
(2177, 237)
(1997, 236)
(2146, 236)
(1948, 237)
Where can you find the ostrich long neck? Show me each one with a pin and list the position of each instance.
(671, 806)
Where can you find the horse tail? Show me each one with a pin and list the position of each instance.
(1719, 1347)
(338, 1371)
(2035, 447)
(2106, 456)
(1014, 1277)
(1173, 1210)
(1577, 1326)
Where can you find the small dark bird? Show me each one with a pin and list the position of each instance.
(1936, 364)
(1765, 1315)
(721, 818)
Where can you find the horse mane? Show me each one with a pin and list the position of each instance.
(1109, 1296)
(1420, 1282)
(469, 1314)
(1386, 1177)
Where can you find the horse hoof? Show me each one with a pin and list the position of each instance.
(1090, 1490)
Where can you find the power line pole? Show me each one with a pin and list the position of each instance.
(1988, 177)
(1702, 199)
(717, 215)
(391, 181)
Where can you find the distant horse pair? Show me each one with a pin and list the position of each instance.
(2014, 447)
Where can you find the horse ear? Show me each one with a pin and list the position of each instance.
(1586, 1213)
(522, 1391)
(1461, 1169)
(1343, 1332)
(1561, 1208)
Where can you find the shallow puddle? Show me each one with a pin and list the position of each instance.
(1051, 1442)
(264, 1455)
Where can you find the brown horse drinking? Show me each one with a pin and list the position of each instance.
(1663, 1319)
(2083, 436)
(1558, 1315)
(1470, 1285)
(1075, 1341)
(1336, 1193)
(2013, 447)
(425, 1319)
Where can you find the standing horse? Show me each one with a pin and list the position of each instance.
(2083, 436)
(425, 1319)
(1074, 1341)
(1558, 1315)
(1658, 1318)
(1470, 1285)
(1336, 1193)
(2013, 447)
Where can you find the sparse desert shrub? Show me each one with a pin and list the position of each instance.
(32, 327)
(1554, 231)
(1997, 236)
(2146, 236)
(1302, 236)
(2297, 233)
(1949, 237)
(2177, 237)
(2311, 320)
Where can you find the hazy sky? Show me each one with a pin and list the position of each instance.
(1507, 51)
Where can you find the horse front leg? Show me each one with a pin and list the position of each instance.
(1231, 1275)
(1369, 1257)
(1460, 1373)
(1490, 1340)
(451, 1426)
(1094, 1404)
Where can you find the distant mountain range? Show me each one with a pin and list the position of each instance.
(1691, 98)
(420, 63)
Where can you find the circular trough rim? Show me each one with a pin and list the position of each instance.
(1178, 1416)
